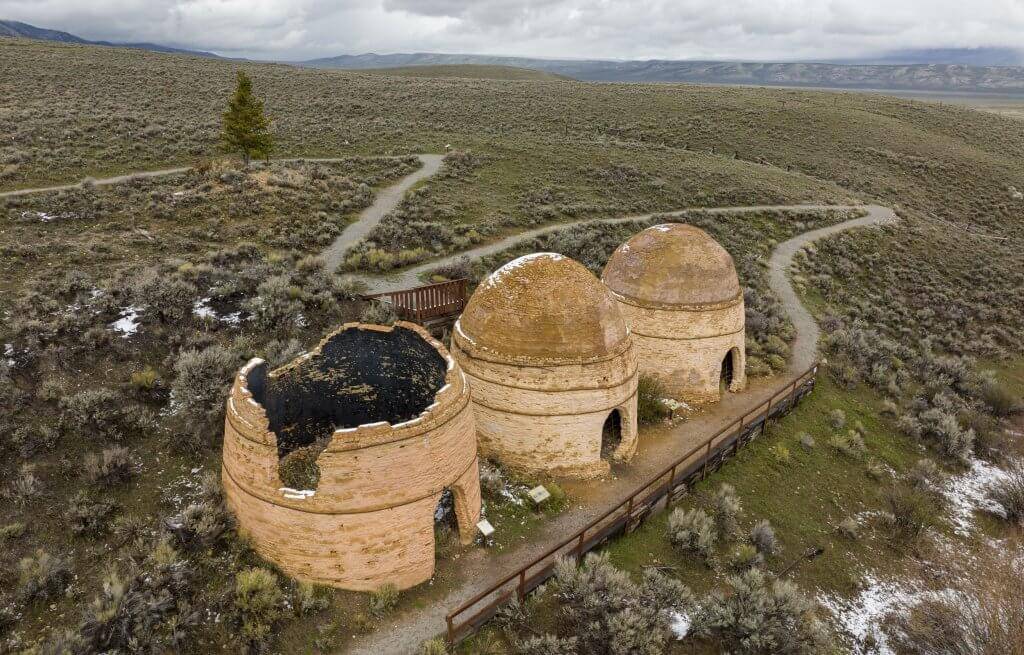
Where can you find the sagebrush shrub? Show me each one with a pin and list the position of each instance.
(111, 467)
(383, 599)
(999, 399)
(727, 510)
(201, 381)
(692, 530)
(1008, 492)
(806, 441)
(649, 406)
(310, 598)
(925, 475)
(837, 419)
(849, 528)
(762, 536)
(911, 512)
(258, 604)
(744, 556)
(378, 313)
(548, 644)
(87, 517)
(762, 616)
(978, 614)
(42, 576)
(611, 614)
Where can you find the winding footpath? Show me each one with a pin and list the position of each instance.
(477, 568)
(428, 160)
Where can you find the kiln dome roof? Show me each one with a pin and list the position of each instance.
(543, 307)
(673, 264)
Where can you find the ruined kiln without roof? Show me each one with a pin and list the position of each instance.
(390, 410)
(552, 368)
(678, 292)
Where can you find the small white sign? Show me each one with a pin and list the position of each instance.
(485, 528)
(539, 494)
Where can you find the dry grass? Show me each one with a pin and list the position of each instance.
(528, 153)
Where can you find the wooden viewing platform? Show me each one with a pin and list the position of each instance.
(434, 306)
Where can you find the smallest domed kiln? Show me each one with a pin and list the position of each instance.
(678, 291)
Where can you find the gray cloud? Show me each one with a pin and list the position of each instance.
(684, 29)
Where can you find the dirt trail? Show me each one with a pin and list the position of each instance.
(383, 204)
(410, 277)
(164, 172)
(805, 346)
(477, 568)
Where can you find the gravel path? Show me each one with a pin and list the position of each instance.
(410, 277)
(477, 568)
(382, 205)
(805, 347)
(164, 172)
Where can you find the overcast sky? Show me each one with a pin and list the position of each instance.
(626, 29)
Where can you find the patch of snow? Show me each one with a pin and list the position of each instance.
(405, 424)
(680, 624)
(42, 217)
(297, 494)
(128, 324)
(968, 493)
(458, 328)
(509, 494)
(674, 404)
(664, 227)
(861, 617)
(202, 309)
(495, 278)
(9, 353)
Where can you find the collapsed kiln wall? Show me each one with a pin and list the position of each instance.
(684, 346)
(548, 417)
(370, 520)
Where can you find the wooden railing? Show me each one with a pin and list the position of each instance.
(671, 484)
(427, 302)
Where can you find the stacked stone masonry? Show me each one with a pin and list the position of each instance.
(553, 357)
(678, 292)
(370, 520)
(549, 360)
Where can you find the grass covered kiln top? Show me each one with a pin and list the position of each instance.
(358, 376)
(542, 308)
(673, 264)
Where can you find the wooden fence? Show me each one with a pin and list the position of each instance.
(428, 302)
(671, 484)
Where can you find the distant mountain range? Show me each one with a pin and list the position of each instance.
(850, 75)
(26, 31)
(963, 56)
(987, 70)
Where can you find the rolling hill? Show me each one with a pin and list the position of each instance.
(13, 28)
(467, 71)
(917, 77)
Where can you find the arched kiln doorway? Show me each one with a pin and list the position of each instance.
(729, 363)
(611, 434)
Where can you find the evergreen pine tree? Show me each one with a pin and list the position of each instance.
(246, 128)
